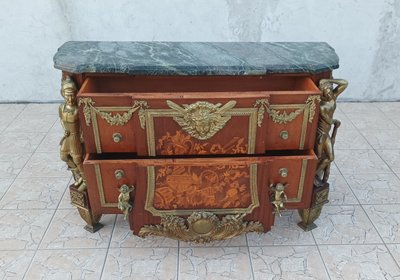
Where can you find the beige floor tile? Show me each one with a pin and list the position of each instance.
(346, 123)
(123, 237)
(375, 188)
(31, 123)
(395, 250)
(395, 118)
(386, 219)
(20, 142)
(13, 264)
(383, 139)
(11, 107)
(4, 185)
(11, 164)
(141, 263)
(67, 264)
(223, 263)
(5, 121)
(50, 143)
(351, 262)
(350, 140)
(34, 193)
(334, 169)
(392, 158)
(371, 121)
(358, 107)
(65, 202)
(41, 109)
(9, 112)
(45, 165)
(340, 192)
(388, 107)
(284, 232)
(344, 225)
(21, 229)
(66, 231)
(287, 262)
(57, 128)
(360, 162)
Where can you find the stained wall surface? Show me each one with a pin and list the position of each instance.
(365, 34)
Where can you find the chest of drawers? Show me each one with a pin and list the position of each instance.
(198, 141)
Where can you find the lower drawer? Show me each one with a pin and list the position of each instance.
(181, 186)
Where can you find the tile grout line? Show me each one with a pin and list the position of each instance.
(320, 255)
(387, 115)
(220, 247)
(108, 247)
(30, 157)
(251, 262)
(44, 234)
(387, 164)
(13, 120)
(13, 179)
(54, 212)
(384, 243)
(361, 205)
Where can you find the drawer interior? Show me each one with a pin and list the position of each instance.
(210, 84)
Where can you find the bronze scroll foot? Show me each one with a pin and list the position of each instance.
(320, 197)
(80, 200)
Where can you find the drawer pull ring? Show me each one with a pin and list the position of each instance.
(117, 137)
(283, 172)
(279, 197)
(124, 200)
(119, 174)
(284, 134)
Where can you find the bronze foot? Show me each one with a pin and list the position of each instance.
(320, 197)
(92, 222)
(80, 200)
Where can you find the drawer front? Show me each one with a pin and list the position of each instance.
(265, 114)
(109, 124)
(296, 173)
(181, 187)
(291, 121)
(173, 126)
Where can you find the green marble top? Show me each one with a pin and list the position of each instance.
(191, 58)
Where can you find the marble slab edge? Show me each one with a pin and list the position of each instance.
(195, 58)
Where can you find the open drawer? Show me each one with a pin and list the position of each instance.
(181, 186)
(218, 115)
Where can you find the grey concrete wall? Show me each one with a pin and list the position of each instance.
(365, 34)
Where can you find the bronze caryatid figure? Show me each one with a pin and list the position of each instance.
(71, 146)
(71, 153)
(331, 89)
(325, 141)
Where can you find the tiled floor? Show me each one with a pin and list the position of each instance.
(358, 234)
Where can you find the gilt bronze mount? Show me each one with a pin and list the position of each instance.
(201, 227)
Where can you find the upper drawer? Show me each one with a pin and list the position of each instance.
(195, 115)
